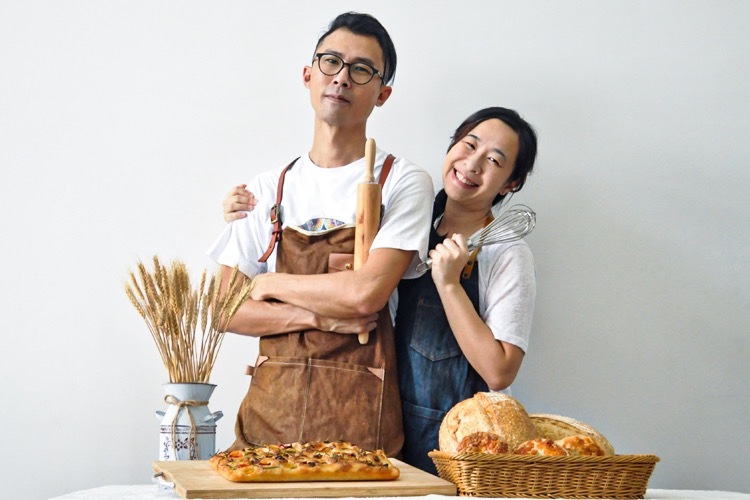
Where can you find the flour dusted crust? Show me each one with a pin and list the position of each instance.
(542, 447)
(491, 412)
(314, 461)
(557, 427)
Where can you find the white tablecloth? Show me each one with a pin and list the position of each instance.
(153, 492)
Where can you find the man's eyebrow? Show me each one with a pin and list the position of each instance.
(365, 60)
(497, 150)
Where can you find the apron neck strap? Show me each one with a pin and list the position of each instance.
(275, 213)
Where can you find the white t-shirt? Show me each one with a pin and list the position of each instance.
(317, 199)
(507, 291)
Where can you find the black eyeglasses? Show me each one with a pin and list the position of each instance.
(359, 72)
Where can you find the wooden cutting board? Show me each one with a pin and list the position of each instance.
(196, 479)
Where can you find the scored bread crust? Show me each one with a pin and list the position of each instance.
(492, 412)
(556, 427)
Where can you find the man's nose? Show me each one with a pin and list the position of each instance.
(342, 77)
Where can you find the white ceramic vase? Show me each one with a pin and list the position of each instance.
(188, 428)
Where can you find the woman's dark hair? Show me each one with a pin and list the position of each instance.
(366, 25)
(526, 141)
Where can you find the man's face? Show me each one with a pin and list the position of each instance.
(337, 100)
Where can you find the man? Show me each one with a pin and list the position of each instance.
(313, 380)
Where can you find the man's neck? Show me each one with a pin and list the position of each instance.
(337, 146)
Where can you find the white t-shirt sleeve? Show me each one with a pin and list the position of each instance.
(507, 291)
(408, 196)
(245, 240)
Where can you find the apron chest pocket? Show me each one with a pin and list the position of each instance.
(431, 337)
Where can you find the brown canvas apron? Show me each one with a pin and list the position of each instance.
(315, 385)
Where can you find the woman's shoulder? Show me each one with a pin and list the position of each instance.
(500, 257)
(509, 250)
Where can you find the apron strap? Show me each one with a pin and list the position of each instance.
(275, 214)
(381, 181)
(386, 169)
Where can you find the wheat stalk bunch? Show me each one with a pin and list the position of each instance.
(174, 310)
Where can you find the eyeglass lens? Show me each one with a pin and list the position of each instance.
(331, 65)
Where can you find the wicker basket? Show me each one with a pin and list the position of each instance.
(524, 476)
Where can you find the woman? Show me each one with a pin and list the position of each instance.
(463, 326)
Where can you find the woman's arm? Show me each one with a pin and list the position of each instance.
(496, 361)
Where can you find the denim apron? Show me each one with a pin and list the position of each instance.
(434, 374)
(313, 385)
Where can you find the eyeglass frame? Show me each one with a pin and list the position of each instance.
(349, 69)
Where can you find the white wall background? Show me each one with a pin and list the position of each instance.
(124, 123)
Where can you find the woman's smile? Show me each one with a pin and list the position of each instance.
(463, 180)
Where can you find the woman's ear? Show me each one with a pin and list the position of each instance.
(509, 187)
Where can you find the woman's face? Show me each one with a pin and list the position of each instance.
(478, 166)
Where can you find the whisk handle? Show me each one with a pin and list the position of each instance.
(427, 263)
(424, 265)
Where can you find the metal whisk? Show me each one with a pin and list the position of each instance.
(509, 225)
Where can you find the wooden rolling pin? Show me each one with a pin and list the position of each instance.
(367, 215)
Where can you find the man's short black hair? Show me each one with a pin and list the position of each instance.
(366, 25)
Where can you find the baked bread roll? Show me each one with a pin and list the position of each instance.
(556, 427)
(540, 446)
(581, 445)
(482, 442)
(492, 412)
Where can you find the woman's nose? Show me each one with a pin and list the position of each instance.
(473, 163)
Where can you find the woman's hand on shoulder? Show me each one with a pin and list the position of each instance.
(238, 201)
(449, 259)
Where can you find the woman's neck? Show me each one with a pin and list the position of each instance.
(463, 220)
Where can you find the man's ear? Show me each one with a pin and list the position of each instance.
(306, 75)
(385, 93)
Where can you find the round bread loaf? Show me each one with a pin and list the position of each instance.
(492, 412)
(556, 427)
(540, 446)
(580, 445)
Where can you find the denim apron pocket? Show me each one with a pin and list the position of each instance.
(429, 337)
(421, 425)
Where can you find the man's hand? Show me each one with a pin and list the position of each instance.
(348, 325)
(238, 201)
(256, 291)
